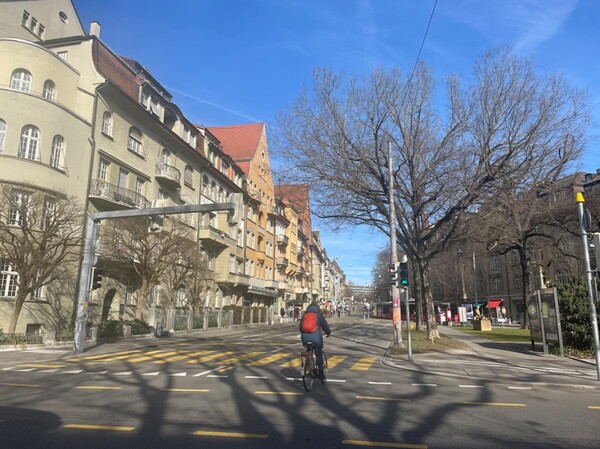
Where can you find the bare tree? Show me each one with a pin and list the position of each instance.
(40, 239)
(505, 123)
(150, 255)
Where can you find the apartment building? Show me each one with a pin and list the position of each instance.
(77, 119)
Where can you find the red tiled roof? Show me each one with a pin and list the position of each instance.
(239, 141)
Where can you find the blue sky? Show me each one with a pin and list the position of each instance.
(241, 61)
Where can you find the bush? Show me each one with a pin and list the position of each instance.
(114, 328)
(575, 315)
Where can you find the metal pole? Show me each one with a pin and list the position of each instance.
(89, 256)
(475, 281)
(394, 253)
(588, 279)
(408, 339)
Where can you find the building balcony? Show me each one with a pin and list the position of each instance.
(282, 261)
(279, 285)
(111, 196)
(282, 240)
(213, 238)
(237, 279)
(168, 175)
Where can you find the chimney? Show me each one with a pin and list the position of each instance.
(95, 29)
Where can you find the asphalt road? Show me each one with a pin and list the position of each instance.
(241, 389)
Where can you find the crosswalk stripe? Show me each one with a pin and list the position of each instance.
(233, 360)
(151, 355)
(332, 362)
(363, 364)
(210, 357)
(266, 360)
(294, 363)
(100, 356)
(182, 355)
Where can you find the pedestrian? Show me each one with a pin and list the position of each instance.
(296, 313)
(282, 312)
(339, 312)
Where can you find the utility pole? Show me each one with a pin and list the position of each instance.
(394, 254)
(588, 277)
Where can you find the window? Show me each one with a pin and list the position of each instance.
(17, 208)
(28, 147)
(224, 167)
(135, 141)
(25, 19)
(180, 297)
(162, 195)
(41, 31)
(49, 91)
(129, 291)
(21, 80)
(165, 157)
(2, 134)
(188, 175)
(497, 284)
(140, 186)
(58, 152)
(103, 170)
(107, 123)
(494, 263)
(232, 263)
(8, 280)
(48, 213)
(63, 55)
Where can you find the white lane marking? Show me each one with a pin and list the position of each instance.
(380, 383)
(53, 370)
(124, 373)
(470, 386)
(98, 372)
(155, 373)
(424, 385)
(520, 388)
(217, 375)
(75, 371)
(293, 378)
(335, 380)
(255, 377)
(8, 368)
(24, 370)
(183, 374)
(209, 371)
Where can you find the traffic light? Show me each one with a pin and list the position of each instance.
(393, 273)
(96, 279)
(403, 274)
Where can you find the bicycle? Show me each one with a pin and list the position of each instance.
(309, 368)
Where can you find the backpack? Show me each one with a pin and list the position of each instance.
(309, 322)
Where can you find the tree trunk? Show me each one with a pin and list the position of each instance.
(525, 288)
(141, 300)
(19, 300)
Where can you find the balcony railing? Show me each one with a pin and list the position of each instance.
(281, 261)
(168, 173)
(119, 195)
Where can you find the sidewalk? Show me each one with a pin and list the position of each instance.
(508, 363)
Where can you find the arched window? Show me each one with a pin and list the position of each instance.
(165, 157)
(188, 175)
(28, 146)
(107, 123)
(57, 155)
(135, 141)
(49, 91)
(20, 80)
(2, 134)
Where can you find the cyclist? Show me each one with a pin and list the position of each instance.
(312, 327)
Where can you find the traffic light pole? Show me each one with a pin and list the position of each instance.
(394, 254)
(90, 257)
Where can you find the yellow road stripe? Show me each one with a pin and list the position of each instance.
(363, 364)
(185, 390)
(284, 393)
(294, 363)
(374, 398)
(269, 359)
(383, 444)
(117, 357)
(594, 407)
(497, 404)
(151, 355)
(100, 356)
(39, 365)
(230, 434)
(96, 387)
(240, 357)
(18, 385)
(96, 427)
(182, 355)
(210, 357)
(332, 362)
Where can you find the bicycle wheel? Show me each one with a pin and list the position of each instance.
(307, 374)
(324, 366)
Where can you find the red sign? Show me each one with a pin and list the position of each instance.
(395, 302)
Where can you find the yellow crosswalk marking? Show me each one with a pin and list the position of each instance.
(180, 356)
(332, 362)
(266, 360)
(210, 357)
(293, 363)
(233, 360)
(150, 355)
(101, 356)
(363, 364)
